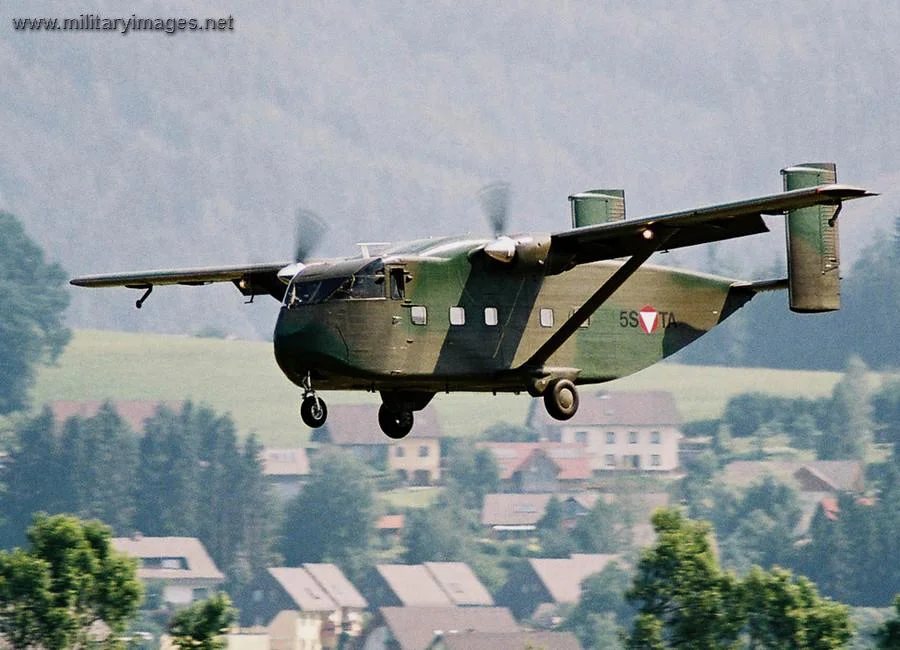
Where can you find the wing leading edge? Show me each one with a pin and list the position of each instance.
(689, 227)
(250, 279)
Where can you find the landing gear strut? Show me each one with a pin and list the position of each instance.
(313, 411)
(395, 424)
(561, 399)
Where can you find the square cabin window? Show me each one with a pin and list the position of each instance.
(491, 317)
(585, 324)
(546, 317)
(457, 316)
(418, 314)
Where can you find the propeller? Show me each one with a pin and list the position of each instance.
(310, 231)
(495, 203)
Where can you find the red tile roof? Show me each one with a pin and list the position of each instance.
(390, 522)
(571, 459)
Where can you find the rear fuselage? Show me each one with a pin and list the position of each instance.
(438, 318)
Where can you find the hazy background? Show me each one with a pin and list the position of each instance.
(146, 150)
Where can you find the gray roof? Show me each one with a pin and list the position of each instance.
(414, 585)
(306, 593)
(336, 585)
(838, 474)
(562, 576)
(620, 408)
(169, 558)
(460, 583)
(517, 509)
(414, 628)
(357, 424)
(511, 641)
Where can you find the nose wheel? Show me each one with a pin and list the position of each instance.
(561, 399)
(313, 411)
(395, 424)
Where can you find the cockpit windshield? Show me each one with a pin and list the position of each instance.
(367, 283)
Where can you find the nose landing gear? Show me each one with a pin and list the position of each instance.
(313, 411)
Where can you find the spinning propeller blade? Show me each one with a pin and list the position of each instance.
(495, 203)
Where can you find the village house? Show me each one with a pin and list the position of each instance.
(415, 459)
(464, 640)
(306, 607)
(540, 467)
(620, 431)
(417, 628)
(515, 515)
(285, 470)
(433, 584)
(817, 476)
(180, 566)
(539, 586)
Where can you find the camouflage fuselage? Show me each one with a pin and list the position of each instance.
(372, 342)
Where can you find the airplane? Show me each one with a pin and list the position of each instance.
(537, 312)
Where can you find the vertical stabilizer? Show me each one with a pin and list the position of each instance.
(814, 281)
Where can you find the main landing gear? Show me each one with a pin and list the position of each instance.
(395, 424)
(561, 399)
(313, 411)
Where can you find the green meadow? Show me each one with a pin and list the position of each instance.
(241, 378)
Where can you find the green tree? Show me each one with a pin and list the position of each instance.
(602, 530)
(473, 473)
(601, 607)
(68, 579)
(888, 636)
(31, 475)
(435, 534)
(33, 299)
(849, 427)
(332, 518)
(679, 583)
(101, 462)
(202, 625)
(786, 613)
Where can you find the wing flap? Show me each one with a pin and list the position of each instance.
(689, 227)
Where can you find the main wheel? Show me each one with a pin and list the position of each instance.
(561, 399)
(313, 411)
(395, 424)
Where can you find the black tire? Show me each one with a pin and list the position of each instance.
(313, 411)
(561, 399)
(395, 424)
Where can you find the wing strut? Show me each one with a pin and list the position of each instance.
(593, 303)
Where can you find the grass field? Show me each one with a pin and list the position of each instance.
(241, 378)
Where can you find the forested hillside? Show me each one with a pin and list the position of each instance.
(149, 150)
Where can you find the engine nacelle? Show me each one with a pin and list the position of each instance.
(529, 250)
(814, 281)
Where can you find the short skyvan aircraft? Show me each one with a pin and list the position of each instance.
(535, 312)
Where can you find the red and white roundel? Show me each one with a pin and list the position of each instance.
(649, 319)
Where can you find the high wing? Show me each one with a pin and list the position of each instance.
(250, 279)
(689, 227)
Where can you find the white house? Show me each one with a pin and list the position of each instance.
(621, 431)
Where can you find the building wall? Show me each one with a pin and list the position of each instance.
(293, 630)
(183, 593)
(643, 454)
(411, 455)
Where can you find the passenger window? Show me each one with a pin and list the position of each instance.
(418, 314)
(457, 316)
(546, 317)
(490, 316)
(398, 284)
(585, 324)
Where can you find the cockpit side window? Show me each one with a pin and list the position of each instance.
(398, 284)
